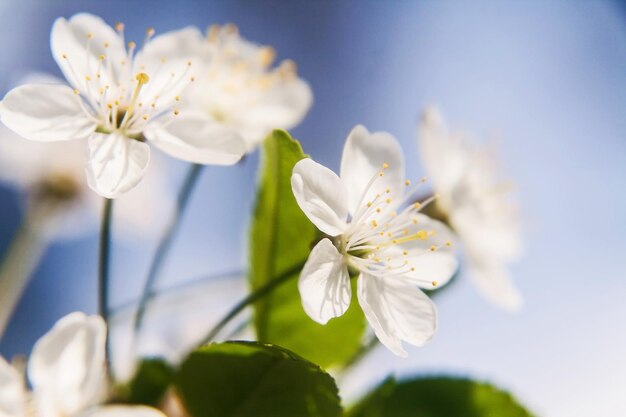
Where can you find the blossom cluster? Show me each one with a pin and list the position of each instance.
(209, 99)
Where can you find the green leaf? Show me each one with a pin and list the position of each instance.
(281, 238)
(438, 397)
(149, 384)
(249, 379)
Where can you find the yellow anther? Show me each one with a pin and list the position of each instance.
(423, 179)
(407, 182)
(433, 248)
(417, 205)
(106, 44)
(381, 233)
(192, 79)
(102, 57)
(188, 63)
(405, 232)
(412, 269)
(163, 60)
(388, 190)
(374, 223)
(89, 35)
(110, 106)
(145, 117)
(435, 283)
(267, 56)
(405, 253)
(119, 26)
(369, 204)
(380, 174)
(376, 259)
(132, 45)
(378, 210)
(388, 200)
(213, 33)
(389, 234)
(64, 56)
(394, 241)
(414, 221)
(449, 244)
(142, 77)
(117, 103)
(76, 91)
(87, 78)
(385, 165)
(150, 32)
(177, 98)
(421, 235)
(176, 112)
(230, 29)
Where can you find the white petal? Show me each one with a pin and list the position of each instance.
(397, 311)
(116, 163)
(66, 367)
(324, 283)
(321, 195)
(283, 106)
(124, 411)
(45, 112)
(82, 40)
(12, 391)
(494, 282)
(196, 138)
(363, 157)
(177, 44)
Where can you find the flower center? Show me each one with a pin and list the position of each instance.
(125, 94)
(382, 240)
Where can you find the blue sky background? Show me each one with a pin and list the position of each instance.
(547, 80)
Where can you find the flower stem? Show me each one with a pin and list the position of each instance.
(165, 243)
(19, 263)
(103, 268)
(251, 298)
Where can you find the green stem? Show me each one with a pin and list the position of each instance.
(251, 298)
(103, 268)
(19, 263)
(165, 243)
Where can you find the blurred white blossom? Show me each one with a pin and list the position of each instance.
(395, 249)
(68, 376)
(477, 204)
(119, 98)
(236, 84)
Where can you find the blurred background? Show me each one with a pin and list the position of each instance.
(545, 80)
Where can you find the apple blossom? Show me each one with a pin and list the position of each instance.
(476, 204)
(119, 98)
(371, 230)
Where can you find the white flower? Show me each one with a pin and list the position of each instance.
(119, 99)
(393, 247)
(236, 85)
(67, 373)
(476, 205)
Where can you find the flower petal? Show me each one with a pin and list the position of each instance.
(445, 155)
(45, 112)
(397, 311)
(281, 107)
(124, 411)
(12, 391)
(196, 138)
(321, 195)
(494, 282)
(116, 163)
(324, 283)
(363, 157)
(82, 40)
(66, 367)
